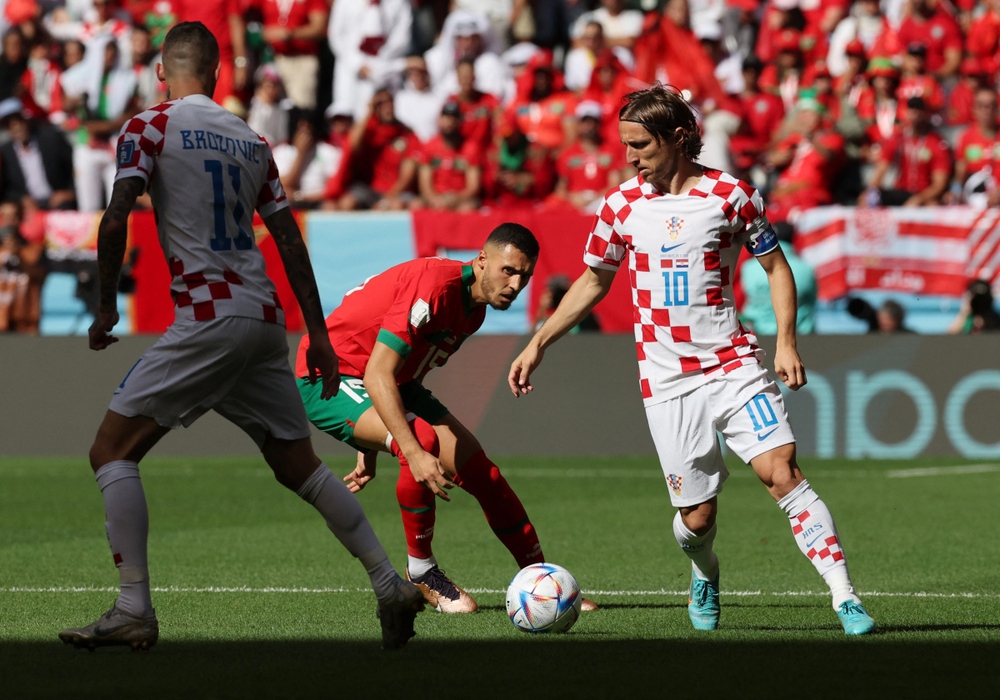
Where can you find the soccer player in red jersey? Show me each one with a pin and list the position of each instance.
(679, 228)
(450, 170)
(390, 332)
(227, 349)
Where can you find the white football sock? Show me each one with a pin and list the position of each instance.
(816, 535)
(127, 525)
(346, 519)
(419, 567)
(704, 562)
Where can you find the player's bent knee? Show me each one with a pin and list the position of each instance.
(292, 461)
(699, 519)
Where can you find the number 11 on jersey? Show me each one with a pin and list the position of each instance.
(221, 241)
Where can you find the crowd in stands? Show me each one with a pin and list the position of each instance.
(461, 104)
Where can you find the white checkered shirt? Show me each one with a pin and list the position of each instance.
(682, 251)
(206, 172)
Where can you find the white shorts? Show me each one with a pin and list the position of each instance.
(236, 366)
(744, 405)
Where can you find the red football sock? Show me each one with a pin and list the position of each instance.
(502, 508)
(416, 503)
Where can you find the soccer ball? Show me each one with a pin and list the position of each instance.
(543, 598)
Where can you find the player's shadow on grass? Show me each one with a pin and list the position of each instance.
(575, 665)
(938, 628)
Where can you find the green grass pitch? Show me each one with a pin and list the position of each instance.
(256, 599)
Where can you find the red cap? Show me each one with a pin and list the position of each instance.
(788, 40)
(855, 48)
(972, 66)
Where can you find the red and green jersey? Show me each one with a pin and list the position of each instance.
(422, 309)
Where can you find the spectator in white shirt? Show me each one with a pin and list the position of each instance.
(621, 27)
(467, 35)
(306, 163)
(369, 39)
(417, 105)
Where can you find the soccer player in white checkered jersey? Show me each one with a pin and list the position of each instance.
(207, 172)
(681, 226)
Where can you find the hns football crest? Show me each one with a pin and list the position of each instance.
(674, 224)
(675, 483)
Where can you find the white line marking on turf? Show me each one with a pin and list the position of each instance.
(940, 471)
(608, 593)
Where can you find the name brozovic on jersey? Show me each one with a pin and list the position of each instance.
(682, 251)
(206, 172)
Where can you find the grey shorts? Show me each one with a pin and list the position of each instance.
(236, 366)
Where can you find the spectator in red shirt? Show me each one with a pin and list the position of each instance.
(517, 172)
(809, 159)
(960, 99)
(915, 81)
(450, 170)
(609, 83)
(878, 107)
(849, 85)
(381, 170)
(294, 29)
(542, 109)
(930, 24)
(982, 41)
(978, 147)
(784, 77)
(761, 114)
(922, 159)
(590, 166)
(479, 109)
(224, 19)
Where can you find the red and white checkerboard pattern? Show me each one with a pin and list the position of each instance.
(827, 548)
(681, 253)
(207, 172)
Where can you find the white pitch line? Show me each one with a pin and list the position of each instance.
(606, 593)
(941, 471)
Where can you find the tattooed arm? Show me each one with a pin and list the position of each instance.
(321, 358)
(112, 237)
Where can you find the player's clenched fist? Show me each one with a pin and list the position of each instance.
(100, 330)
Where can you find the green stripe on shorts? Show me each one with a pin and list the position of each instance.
(338, 416)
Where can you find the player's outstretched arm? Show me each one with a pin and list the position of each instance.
(112, 238)
(380, 383)
(588, 289)
(321, 358)
(787, 364)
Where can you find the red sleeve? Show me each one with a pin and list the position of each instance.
(316, 6)
(942, 160)
(952, 34)
(889, 148)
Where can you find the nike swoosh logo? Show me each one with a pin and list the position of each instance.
(761, 438)
(665, 249)
(105, 631)
(814, 541)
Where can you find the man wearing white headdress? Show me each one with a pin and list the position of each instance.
(467, 35)
(107, 86)
(369, 39)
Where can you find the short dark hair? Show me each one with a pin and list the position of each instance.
(191, 49)
(515, 235)
(662, 110)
